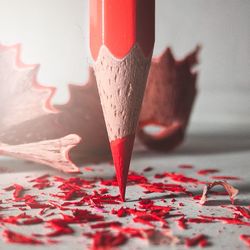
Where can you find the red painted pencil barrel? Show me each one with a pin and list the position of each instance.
(120, 24)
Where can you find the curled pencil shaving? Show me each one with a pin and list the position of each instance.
(168, 100)
(232, 192)
(54, 153)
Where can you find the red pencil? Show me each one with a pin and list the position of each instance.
(121, 43)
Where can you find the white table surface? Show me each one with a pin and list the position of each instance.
(214, 145)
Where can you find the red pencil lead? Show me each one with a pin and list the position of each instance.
(122, 151)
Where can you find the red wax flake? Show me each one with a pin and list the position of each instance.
(134, 232)
(159, 176)
(160, 210)
(155, 212)
(135, 178)
(13, 237)
(82, 216)
(226, 220)
(112, 182)
(97, 200)
(58, 206)
(245, 238)
(197, 197)
(35, 205)
(104, 199)
(18, 191)
(199, 220)
(147, 169)
(70, 195)
(41, 182)
(31, 221)
(184, 166)
(103, 190)
(121, 212)
(144, 219)
(244, 211)
(233, 178)
(161, 188)
(74, 183)
(60, 227)
(181, 178)
(198, 240)
(73, 194)
(107, 224)
(207, 171)
(21, 219)
(50, 214)
(182, 223)
(105, 240)
(146, 203)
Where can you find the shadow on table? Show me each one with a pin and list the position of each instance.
(224, 202)
(228, 141)
(215, 143)
(12, 165)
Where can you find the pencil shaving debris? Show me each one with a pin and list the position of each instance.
(232, 192)
(57, 207)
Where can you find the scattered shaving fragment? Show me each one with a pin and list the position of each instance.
(60, 227)
(162, 188)
(41, 182)
(178, 177)
(199, 220)
(185, 166)
(207, 171)
(18, 191)
(232, 192)
(246, 239)
(77, 204)
(168, 100)
(226, 220)
(182, 223)
(105, 240)
(107, 224)
(244, 211)
(198, 240)
(12, 237)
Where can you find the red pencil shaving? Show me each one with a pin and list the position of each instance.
(121, 44)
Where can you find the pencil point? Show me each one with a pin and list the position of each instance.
(122, 151)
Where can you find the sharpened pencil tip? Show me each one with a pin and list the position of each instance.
(122, 151)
